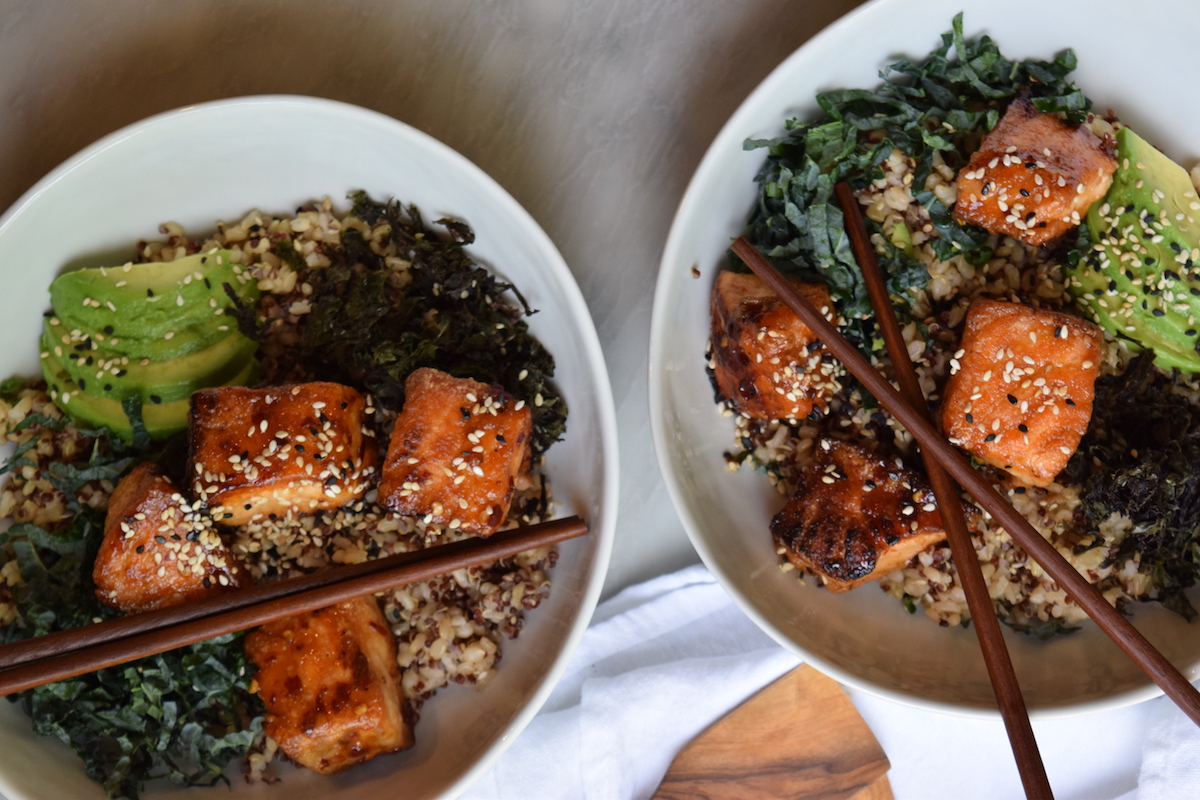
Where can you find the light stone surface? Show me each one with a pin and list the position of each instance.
(593, 114)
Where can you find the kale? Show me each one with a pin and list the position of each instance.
(1042, 630)
(941, 105)
(1148, 438)
(181, 715)
(370, 328)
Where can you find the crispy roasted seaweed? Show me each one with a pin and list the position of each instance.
(371, 330)
(943, 105)
(1147, 437)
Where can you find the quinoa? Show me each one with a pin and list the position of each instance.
(1024, 595)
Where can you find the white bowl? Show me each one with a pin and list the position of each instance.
(219, 160)
(1142, 65)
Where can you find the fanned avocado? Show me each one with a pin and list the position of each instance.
(162, 420)
(156, 332)
(1140, 279)
(152, 381)
(157, 310)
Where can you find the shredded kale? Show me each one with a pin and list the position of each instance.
(1148, 438)
(182, 715)
(370, 328)
(942, 105)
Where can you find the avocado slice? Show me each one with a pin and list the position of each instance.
(107, 374)
(1139, 279)
(162, 420)
(156, 310)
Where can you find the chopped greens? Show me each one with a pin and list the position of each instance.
(182, 715)
(370, 327)
(942, 105)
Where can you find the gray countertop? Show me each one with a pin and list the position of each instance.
(592, 114)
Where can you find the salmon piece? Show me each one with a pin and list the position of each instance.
(157, 551)
(1034, 176)
(458, 452)
(856, 516)
(331, 686)
(281, 450)
(1021, 395)
(766, 362)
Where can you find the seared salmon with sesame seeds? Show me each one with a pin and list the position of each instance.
(855, 516)
(283, 450)
(1021, 389)
(767, 363)
(331, 686)
(459, 451)
(1034, 176)
(159, 551)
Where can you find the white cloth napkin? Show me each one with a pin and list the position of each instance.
(661, 662)
(665, 659)
(1170, 758)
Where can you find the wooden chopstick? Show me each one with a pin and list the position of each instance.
(1119, 629)
(62, 655)
(987, 627)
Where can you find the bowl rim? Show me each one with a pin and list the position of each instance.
(606, 500)
(728, 140)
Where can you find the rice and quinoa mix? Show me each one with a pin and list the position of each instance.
(449, 629)
(1025, 596)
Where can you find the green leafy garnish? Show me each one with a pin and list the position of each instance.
(182, 715)
(943, 105)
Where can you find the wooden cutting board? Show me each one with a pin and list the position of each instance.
(799, 738)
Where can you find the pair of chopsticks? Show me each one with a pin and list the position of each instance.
(944, 463)
(66, 654)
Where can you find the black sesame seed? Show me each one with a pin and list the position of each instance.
(149, 293)
(160, 539)
(247, 506)
(500, 438)
(1023, 428)
(991, 437)
(122, 373)
(1030, 217)
(299, 448)
(226, 515)
(141, 548)
(207, 283)
(1011, 399)
(1158, 312)
(207, 582)
(108, 387)
(1190, 332)
(970, 419)
(1149, 262)
(1070, 402)
(155, 399)
(1019, 490)
(1030, 164)
(1169, 273)
(83, 384)
(1024, 193)
(345, 405)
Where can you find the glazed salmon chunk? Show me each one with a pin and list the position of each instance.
(282, 450)
(767, 363)
(1020, 396)
(458, 452)
(157, 550)
(856, 516)
(1034, 176)
(331, 686)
